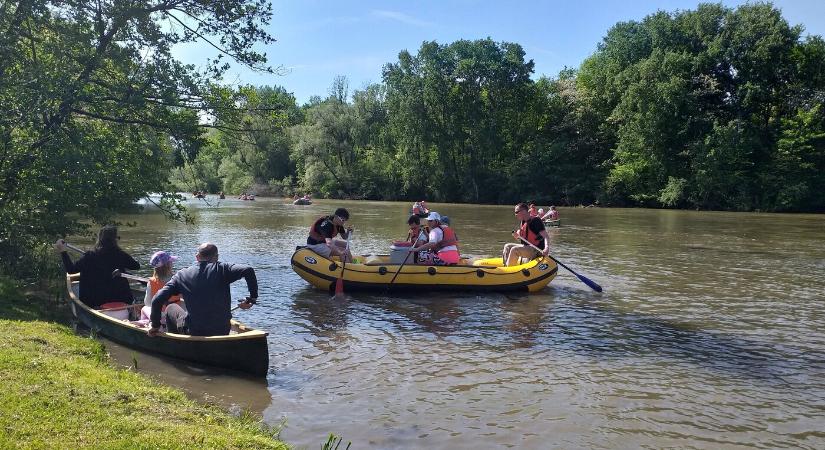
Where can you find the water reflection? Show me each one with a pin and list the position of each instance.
(611, 332)
(708, 334)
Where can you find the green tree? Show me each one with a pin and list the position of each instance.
(95, 108)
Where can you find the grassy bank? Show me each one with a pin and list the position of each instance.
(60, 392)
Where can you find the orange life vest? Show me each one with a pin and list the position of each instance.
(527, 233)
(156, 284)
(449, 238)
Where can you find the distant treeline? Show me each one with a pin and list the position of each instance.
(715, 108)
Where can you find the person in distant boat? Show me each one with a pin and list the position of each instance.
(541, 212)
(532, 210)
(552, 214)
(161, 263)
(205, 286)
(442, 241)
(96, 266)
(532, 229)
(323, 231)
(221, 195)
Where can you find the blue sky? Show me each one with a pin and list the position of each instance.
(319, 40)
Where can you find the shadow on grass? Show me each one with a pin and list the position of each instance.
(30, 303)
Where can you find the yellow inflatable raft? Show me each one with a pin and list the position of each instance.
(375, 272)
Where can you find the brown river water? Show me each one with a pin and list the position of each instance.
(709, 333)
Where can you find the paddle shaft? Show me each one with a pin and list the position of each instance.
(408, 257)
(77, 249)
(134, 277)
(593, 285)
(120, 308)
(339, 283)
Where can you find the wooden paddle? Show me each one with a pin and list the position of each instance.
(593, 285)
(120, 308)
(339, 283)
(72, 247)
(117, 273)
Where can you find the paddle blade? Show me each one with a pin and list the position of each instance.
(593, 285)
(339, 286)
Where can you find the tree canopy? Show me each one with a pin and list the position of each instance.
(712, 108)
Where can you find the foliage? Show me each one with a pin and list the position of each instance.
(95, 110)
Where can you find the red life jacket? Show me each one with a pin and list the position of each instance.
(449, 238)
(533, 238)
(317, 236)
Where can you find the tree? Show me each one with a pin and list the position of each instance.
(95, 108)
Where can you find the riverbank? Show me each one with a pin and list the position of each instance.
(60, 392)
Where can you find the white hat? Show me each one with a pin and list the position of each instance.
(434, 216)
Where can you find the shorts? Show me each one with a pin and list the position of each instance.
(321, 249)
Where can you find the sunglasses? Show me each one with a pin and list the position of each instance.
(341, 219)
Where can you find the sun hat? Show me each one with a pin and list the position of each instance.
(161, 258)
(434, 216)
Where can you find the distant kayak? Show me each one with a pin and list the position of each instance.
(302, 201)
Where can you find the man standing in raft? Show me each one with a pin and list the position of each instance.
(323, 231)
(533, 231)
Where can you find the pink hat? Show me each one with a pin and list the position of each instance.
(161, 258)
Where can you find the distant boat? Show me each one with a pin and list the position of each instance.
(302, 201)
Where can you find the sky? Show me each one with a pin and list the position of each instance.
(319, 40)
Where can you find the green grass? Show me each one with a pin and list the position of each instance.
(59, 391)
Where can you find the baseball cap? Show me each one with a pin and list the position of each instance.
(161, 258)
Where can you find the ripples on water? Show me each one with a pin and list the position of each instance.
(708, 335)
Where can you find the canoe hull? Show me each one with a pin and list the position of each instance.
(323, 273)
(552, 223)
(246, 351)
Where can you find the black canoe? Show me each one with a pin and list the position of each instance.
(244, 350)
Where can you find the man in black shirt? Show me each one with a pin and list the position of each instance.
(205, 289)
(322, 234)
(531, 229)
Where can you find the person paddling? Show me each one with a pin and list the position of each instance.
(442, 240)
(96, 266)
(532, 229)
(205, 286)
(323, 231)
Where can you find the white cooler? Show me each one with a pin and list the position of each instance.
(397, 255)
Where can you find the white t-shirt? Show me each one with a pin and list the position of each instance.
(436, 235)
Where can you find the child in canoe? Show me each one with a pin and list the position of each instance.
(161, 262)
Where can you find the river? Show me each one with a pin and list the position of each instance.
(709, 332)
